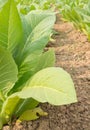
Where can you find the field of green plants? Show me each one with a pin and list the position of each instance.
(28, 75)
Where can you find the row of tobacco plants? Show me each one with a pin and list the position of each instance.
(27, 73)
(75, 11)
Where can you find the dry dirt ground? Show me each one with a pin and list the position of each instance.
(73, 54)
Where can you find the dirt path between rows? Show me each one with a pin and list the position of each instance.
(72, 51)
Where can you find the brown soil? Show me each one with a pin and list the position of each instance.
(73, 54)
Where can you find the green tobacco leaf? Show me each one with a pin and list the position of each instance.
(37, 21)
(11, 33)
(8, 71)
(37, 27)
(32, 114)
(53, 85)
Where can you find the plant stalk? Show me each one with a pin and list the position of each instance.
(3, 120)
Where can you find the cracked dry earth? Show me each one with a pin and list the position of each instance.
(72, 51)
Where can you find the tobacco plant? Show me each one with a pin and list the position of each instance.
(27, 73)
(77, 12)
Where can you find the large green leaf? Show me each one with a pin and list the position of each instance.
(53, 85)
(11, 33)
(37, 27)
(37, 21)
(8, 71)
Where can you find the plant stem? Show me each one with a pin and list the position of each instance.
(3, 120)
(1, 124)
